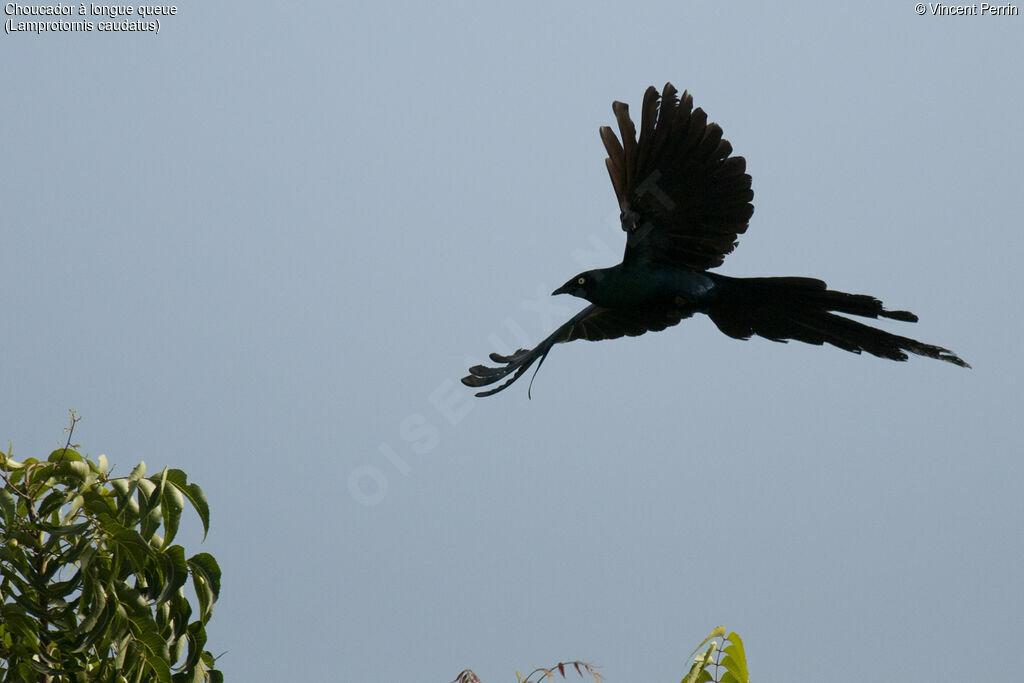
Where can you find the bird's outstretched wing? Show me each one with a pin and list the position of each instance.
(683, 198)
(593, 323)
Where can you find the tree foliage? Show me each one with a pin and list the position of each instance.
(92, 587)
(722, 661)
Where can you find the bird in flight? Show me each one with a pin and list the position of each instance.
(683, 200)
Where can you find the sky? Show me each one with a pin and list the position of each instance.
(262, 246)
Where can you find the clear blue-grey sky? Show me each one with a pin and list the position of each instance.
(263, 246)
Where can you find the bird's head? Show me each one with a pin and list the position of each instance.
(582, 285)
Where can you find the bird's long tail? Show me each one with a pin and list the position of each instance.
(804, 309)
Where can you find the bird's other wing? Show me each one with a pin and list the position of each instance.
(593, 323)
(683, 198)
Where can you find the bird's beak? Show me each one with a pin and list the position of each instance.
(564, 289)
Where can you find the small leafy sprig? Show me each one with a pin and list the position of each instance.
(724, 660)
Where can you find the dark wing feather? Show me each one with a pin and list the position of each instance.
(683, 197)
(593, 323)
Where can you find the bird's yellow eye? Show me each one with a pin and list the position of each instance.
(582, 280)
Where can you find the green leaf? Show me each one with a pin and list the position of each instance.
(121, 486)
(209, 566)
(195, 496)
(51, 502)
(133, 601)
(175, 572)
(137, 549)
(69, 530)
(160, 667)
(16, 619)
(205, 581)
(39, 478)
(717, 632)
(15, 559)
(693, 673)
(172, 504)
(138, 473)
(736, 667)
(147, 501)
(129, 511)
(77, 503)
(7, 461)
(30, 605)
(40, 667)
(120, 637)
(147, 486)
(103, 501)
(65, 454)
(735, 648)
(144, 630)
(700, 662)
(127, 653)
(151, 522)
(76, 470)
(85, 561)
(196, 642)
(181, 612)
(8, 507)
(83, 547)
(59, 590)
(97, 628)
(93, 604)
(178, 649)
(102, 466)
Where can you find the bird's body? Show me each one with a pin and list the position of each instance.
(628, 285)
(683, 200)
